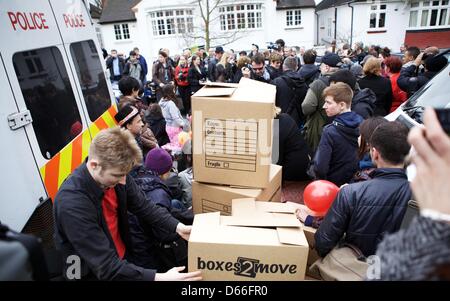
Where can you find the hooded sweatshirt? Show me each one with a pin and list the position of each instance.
(363, 102)
(171, 113)
(309, 72)
(336, 159)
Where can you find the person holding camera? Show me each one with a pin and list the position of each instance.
(410, 80)
(258, 69)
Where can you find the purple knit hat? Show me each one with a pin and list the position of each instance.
(158, 160)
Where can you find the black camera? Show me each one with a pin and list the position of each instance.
(444, 119)
(273, 46)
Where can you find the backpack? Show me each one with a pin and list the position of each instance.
(295, 104)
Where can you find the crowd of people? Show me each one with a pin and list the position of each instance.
(127, 210)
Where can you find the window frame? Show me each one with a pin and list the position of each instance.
(426, 9)
(295, 16)
(122, 32)
(231, 19)
(181, 21)
(376, 8)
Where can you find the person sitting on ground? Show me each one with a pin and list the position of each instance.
(336, 157)
(364, 212)
(155, 120)
(186, 176)
(150, 178)
(128, 117)
(422, 250)
(90, 212)
(172, 115)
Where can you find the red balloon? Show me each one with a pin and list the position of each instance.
(319, 195)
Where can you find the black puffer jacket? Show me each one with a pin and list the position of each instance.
(363, 102)
(365, 212)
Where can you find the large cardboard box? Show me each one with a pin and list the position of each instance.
(232, 133)
(254, 244)
(211, 198)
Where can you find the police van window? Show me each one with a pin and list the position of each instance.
(92, 78)
(49, 96)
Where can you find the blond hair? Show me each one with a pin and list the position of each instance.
(341, 92)
(372, 66)
(116, 148)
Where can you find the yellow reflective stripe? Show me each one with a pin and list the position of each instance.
(65, 164)
(86, 144)
(94, 130)
(42, 171)
(109, 119)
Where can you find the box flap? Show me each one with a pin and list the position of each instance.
(292, 236)
(217, 84)
(207, 219)
(262, 220)
(252, 90)
(214, 91)
(274, 207)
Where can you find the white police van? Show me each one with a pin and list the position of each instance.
(55, 96)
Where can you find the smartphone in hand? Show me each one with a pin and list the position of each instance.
(444, 119)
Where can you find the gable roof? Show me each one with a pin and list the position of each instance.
(331, 3)
(118, 11)
(287, 4)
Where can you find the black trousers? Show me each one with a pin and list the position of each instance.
(185, 94)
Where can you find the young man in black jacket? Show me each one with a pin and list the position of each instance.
(90, 212)
(364, 212)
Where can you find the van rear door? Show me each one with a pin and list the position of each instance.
(39, 80)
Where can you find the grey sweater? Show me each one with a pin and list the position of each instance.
(414, 253)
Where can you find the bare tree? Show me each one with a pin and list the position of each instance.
(205, 31)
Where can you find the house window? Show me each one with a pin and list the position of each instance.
(242, 16)
(429, 14)
(172, 22)
(377, 16)
(122, 31)
(293, 18)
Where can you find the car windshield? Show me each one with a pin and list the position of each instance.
(436, 93)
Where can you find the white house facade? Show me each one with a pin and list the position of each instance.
(176, 24)
(387, 23)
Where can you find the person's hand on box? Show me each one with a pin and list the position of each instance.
(184, 231)
(175, 275)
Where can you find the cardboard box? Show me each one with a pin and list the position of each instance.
(250, 245)
(211, 198)
(309, 234)
(232, 133)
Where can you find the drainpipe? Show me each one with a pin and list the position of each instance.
(317, 27)
(335, 21)
(351, 24)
